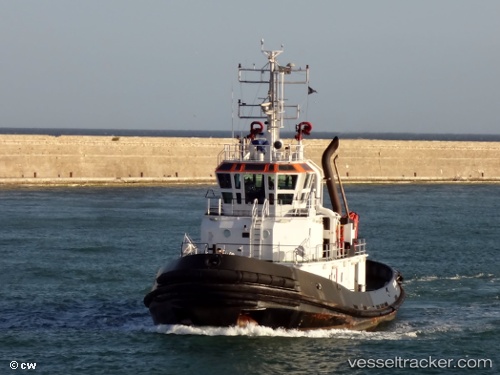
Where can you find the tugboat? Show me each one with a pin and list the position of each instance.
(270, 252)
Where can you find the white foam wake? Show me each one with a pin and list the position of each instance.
(455, 277)
(252, 330)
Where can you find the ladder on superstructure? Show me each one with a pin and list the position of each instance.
(256, 229)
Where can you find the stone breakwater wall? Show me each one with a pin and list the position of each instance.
(101, 159)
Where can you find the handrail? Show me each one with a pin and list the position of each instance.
(282, 253)
(265, 208)
(238, 152)
(255, 208)
(256, 231)
(297, 206)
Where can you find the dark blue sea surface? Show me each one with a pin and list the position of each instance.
(76, 263)
(231, 134)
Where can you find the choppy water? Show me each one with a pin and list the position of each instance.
(76, 263)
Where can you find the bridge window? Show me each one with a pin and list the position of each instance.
(237, 181)
(255, 167)
(270, 182)
(307, 181)
(225, 167)
(285, 198)
(287, 181)
(254, 188)
(286, 167)
(227, 197)
(224, 180)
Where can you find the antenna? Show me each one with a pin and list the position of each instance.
(232, 112)
(271, 54)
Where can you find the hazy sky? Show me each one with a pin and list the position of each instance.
(426, 66)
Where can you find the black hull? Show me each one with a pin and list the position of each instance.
(228, 290)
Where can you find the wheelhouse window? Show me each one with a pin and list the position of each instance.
(224, 180)
(270, 188)
(254, 188)
(237, 181)
(307, 187)
(307, 181)
(270, 182)
(227, 197)
(287, 181)
(285, 198)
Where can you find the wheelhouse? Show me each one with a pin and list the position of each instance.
(278, 184)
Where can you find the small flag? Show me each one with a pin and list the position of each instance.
(310, 90)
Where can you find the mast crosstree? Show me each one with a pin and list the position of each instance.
(273, 108)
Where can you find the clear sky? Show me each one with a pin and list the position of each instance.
(421, 66)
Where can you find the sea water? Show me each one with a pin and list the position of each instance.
(288, 132)
(76, 263)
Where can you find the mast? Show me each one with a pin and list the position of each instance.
(273, 108)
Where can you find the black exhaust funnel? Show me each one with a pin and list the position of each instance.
(329, 175)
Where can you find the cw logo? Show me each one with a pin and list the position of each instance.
(14, 365)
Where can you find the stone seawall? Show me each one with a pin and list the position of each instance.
(32, 159)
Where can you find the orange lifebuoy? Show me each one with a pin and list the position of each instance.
(304, 127)
(256, 127)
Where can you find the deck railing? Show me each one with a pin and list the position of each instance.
(215, 206)
(280, 253)
(268, 153)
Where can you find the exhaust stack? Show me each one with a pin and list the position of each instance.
(329, 175)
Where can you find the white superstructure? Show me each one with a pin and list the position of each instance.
(270, 205)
